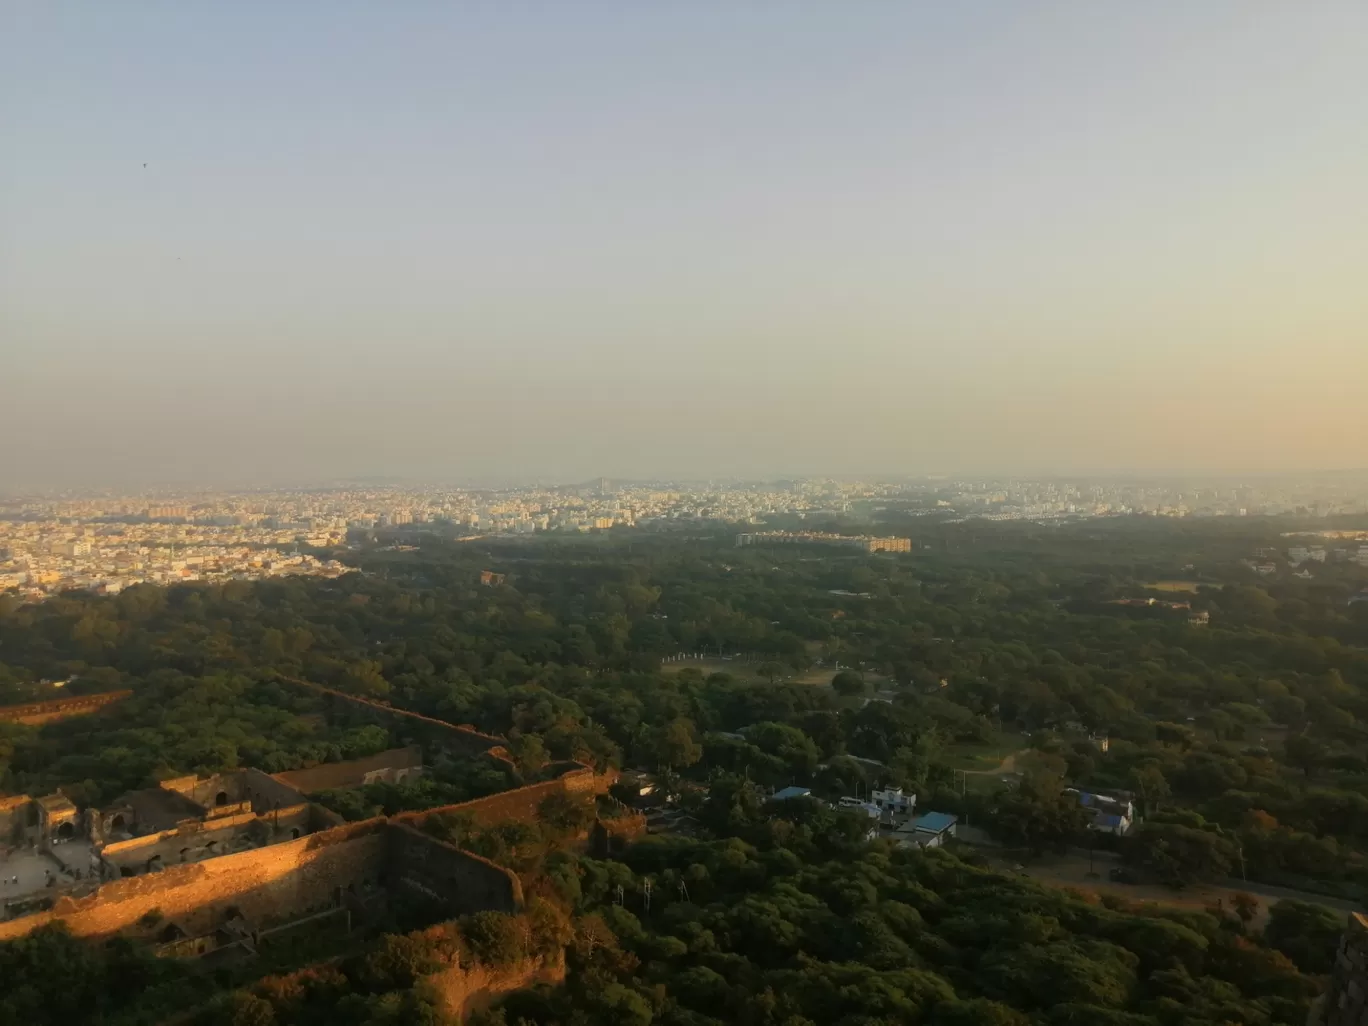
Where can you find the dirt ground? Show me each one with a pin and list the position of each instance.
(1072, 871)
(817, 676)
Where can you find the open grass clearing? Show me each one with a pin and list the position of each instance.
(1187, 586)
(815, 676)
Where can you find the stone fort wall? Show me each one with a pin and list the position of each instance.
(33, 713)
(286, 880)
(267, 885)
(461, 738)
(456, 881)
(522, 804)
(14, 818)
(1345, 1003)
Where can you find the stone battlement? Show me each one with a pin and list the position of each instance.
(522, 804)
(285, 881)
(460, 737)
(33, 713)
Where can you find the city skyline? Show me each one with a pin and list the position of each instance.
(105, 543)
(266, 245)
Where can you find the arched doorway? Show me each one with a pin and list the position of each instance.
(221, 798)
(66, 831)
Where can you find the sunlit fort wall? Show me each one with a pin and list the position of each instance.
(286, 881)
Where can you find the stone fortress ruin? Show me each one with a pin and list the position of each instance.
(212, 865)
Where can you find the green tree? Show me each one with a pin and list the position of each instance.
(1149, 780)
(676, 744)
(1179, 854)
(848, 683)
(1038, 814)
(1307, 934)
(770, 670)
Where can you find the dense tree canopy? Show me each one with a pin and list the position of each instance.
(1244, 741)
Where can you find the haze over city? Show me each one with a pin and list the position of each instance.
(265, 244)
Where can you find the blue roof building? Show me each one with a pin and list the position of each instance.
(927, 831)
(791, 792)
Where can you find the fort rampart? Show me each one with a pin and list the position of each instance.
(461, 738)
(283, 881)
(522, 804)
(34, 713)
(456, 881)
(137, 844)
(266, 885)
(1345, 1003)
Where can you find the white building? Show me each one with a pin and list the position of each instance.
(871, 810)
(1109, 815)
(893, 804)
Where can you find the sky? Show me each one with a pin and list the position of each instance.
(264, 243)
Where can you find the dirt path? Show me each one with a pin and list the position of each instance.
(1007, 765)
(1072, 871)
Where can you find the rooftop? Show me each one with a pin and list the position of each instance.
(329, 775)
(933, 823)
(56, 803)
(158, 808)
(791, 792)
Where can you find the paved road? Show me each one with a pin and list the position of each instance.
(1270, 891)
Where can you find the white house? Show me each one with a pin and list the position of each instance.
(1109, 815)
(893, 803)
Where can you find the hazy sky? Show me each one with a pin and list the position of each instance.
(631, 239)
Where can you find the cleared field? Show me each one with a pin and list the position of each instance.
(997, 756)
(817, 676)
(706, 666)
(1187, 586)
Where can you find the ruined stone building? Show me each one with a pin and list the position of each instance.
(1345, 1002)
(208, 866)
(188, 819)
(170, 886)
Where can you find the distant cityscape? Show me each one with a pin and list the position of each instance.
(106, 542)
